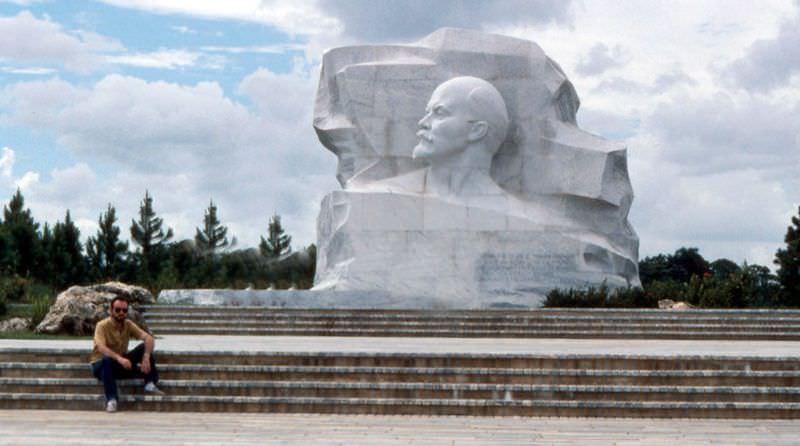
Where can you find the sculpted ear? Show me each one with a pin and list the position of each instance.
(478, 130)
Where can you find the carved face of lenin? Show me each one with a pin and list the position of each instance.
(463, 114)
(445, 128)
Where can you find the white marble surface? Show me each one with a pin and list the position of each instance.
(445, 198)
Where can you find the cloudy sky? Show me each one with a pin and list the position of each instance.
(200, 100)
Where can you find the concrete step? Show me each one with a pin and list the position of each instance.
(517, 313)
(463, 325)
(487, 333)
(420, 390)
(485, 317)
(389, 406)
(431, 374)
(558, 323)
(422, 360)
(420, 384)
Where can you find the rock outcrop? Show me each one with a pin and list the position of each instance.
(78, 309)
(14, 324)
(669, 304)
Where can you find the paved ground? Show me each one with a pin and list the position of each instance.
(452, 345)
(20, 428)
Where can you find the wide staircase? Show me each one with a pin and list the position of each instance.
(420, 384)
(540, 323)
(423, 383)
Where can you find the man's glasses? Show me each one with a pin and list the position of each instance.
(120, 310)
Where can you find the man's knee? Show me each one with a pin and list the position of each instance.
(104, 369)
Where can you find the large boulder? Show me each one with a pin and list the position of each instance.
(78, 309)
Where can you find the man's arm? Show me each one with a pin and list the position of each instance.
(149, 345)
(102, 348)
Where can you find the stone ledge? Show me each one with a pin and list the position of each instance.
(424, 355)
(169, 383)
(499, 371)
(783, 407)
(241, 306)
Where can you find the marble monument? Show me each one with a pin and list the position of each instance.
(466, 182)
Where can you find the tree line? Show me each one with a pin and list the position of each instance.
(54, 256)
(686, 276)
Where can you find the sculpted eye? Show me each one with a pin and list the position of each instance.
(439, 110)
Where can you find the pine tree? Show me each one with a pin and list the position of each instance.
(149, 235)
(213, 236)
(46, 269)
(788, 261)
(67, 254)
(22, 237)
(277, 243)
(105, 251)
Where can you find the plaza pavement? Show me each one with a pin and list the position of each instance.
(24, 428)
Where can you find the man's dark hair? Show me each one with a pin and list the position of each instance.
(116, 298)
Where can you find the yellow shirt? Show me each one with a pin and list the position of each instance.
(116, 340)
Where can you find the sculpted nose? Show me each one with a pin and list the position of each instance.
(424, 122)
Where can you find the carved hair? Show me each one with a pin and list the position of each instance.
(485, 104)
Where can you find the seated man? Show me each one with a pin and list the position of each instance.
(111, 359)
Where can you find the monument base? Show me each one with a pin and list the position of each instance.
(447, 255)
(317, 299)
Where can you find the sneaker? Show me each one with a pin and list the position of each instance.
(153, 390)
(111, 406)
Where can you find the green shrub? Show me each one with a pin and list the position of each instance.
(40, 305)
(14, 288)
(601, 297)
(665, 289)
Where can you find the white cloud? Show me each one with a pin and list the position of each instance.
(727, 132)
(27, 181)
(185, 144)
(21, 2)
(164, 58)
(293, 17)
(769, 63)
(7, 181)
(267, 90)
(731, 214)
(27, 39)
(184, 30)
(34, 71)
(392, 20)
(7, 162)
(280, 48)
(601, 58)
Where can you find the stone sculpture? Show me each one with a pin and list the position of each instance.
(467, 183)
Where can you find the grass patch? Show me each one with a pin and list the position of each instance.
(19, 310)
(30, 335)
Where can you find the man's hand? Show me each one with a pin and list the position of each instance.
(124, 362)
(145, 365)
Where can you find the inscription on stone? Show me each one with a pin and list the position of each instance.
(522, 266)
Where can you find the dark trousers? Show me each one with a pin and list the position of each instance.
(109, 371)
